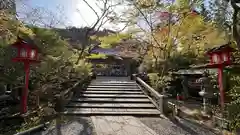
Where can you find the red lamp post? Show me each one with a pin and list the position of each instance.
(219, 58)
(26, 53)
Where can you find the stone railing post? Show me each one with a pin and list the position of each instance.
(160, 104)
(133, 77)
(160, 100)
(36, 98)
(37, 101)
(64, 96)
(59, 106)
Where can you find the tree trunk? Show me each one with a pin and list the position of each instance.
(85, 44)
(80, 56)
(236, 34)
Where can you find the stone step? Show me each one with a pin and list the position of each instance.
(112, 86)
(111, 111)
(113, 96)
(100, 89)
(111, 100)
(115, 89)
(136, 114)
(112, 92)
(111, 105)
(114, 82)
(114, 79)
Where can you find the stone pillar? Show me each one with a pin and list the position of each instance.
(59, 106)
(163, 104)
(127, 67)
(94, 71)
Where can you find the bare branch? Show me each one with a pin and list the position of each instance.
(83, 17)
(127, 24)
(149, 24)
(92, 8)
(102, 23)
(41, 16)
(99, 22)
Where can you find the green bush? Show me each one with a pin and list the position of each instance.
(158, 82)
(57, 58)
(83, 69)
(233, 107)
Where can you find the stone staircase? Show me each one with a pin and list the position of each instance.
(112, 96)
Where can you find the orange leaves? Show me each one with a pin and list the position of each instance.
(163, 14)
(164, 30)
(193, 13)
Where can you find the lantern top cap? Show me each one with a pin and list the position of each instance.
(222, 48)
(25, 43)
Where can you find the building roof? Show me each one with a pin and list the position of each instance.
(26, 42)
(116, 51)
(221, 48)
(195, 71)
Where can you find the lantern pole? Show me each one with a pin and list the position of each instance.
(221, 88)
(25, 90)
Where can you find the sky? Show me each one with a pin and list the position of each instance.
(70, 12)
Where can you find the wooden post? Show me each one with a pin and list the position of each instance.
(221, 88)
(59, 106)
(25, 90)
(37, 100)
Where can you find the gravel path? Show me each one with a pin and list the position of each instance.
(167, 127)
(71, 126)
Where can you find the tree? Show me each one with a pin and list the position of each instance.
(57, 59)
(236, 22)
(226, 14)
(220, 13)
(169, 32)
(102, 18)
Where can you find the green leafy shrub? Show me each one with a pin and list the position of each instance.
(158, 82)
(83, 69)
(57, 58)
(233, 107)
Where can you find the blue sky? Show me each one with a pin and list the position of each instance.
(70, 12)
(67, 8)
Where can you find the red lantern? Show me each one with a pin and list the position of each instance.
(194, 13)
(215, 59)
(163, 15)
(164, 30)
(219, 58)
(26, 53)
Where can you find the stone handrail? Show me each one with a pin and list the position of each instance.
(62, 97)
(149, 88)
(157, 99)
(65, 96)
(34, 129)
(69, 91)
